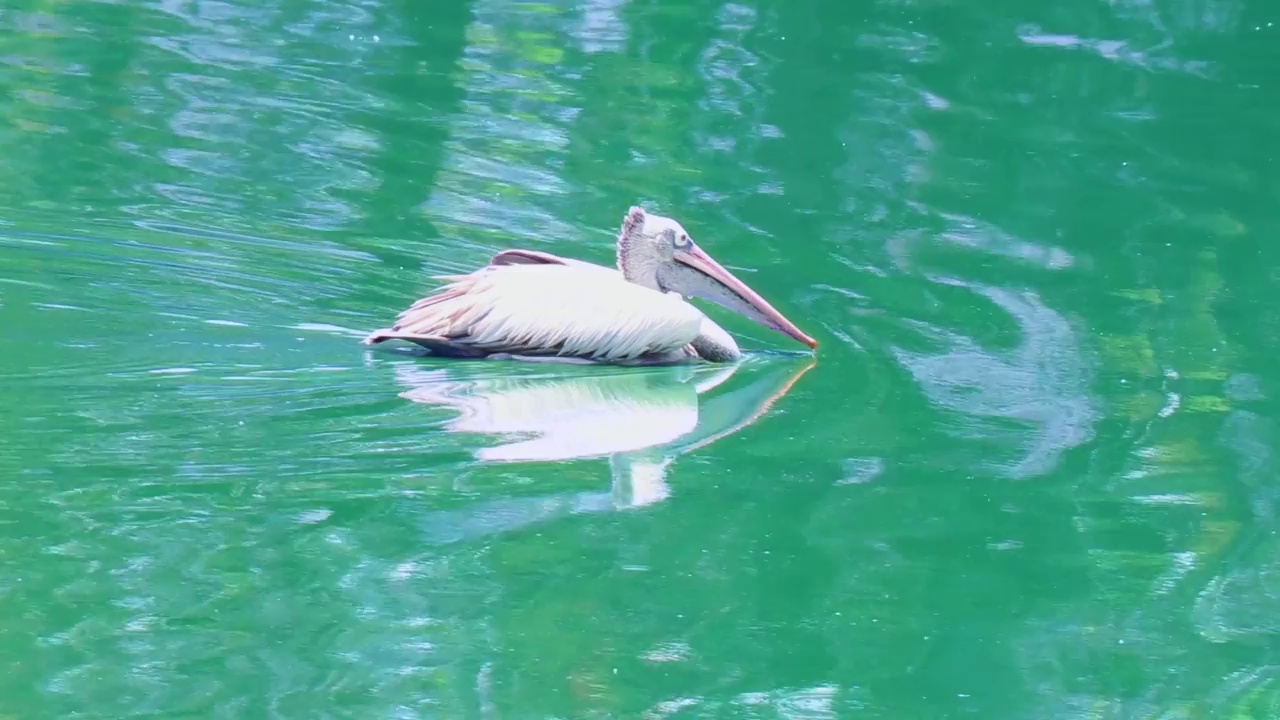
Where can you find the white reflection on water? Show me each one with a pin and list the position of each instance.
(600, 27)
(641, 421)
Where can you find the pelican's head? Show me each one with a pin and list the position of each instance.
(656, 252)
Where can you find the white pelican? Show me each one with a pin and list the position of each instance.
(532, 305)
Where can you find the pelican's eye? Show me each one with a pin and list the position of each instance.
(682, 240)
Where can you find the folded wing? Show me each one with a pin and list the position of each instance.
(547, 309)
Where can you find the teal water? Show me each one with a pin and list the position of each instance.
(1030, 472)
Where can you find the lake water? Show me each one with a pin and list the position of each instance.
(1030, 472)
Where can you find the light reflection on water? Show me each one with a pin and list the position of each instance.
(640, 422)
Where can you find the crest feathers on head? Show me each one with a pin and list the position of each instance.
(635, 218)
(633, 221)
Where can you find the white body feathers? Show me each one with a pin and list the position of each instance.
(561, 310)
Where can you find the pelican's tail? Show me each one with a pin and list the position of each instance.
(434, 343)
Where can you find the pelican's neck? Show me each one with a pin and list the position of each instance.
(713, 344)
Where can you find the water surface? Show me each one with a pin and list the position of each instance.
(1030, 472)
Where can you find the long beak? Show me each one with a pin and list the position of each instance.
(760, 310)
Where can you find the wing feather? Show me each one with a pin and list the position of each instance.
(550, 309)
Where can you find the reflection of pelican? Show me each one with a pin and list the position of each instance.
(528, 304)
(641, 421)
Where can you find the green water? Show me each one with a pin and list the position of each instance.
(1031, 471)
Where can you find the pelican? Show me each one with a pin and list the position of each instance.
(531, 305)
